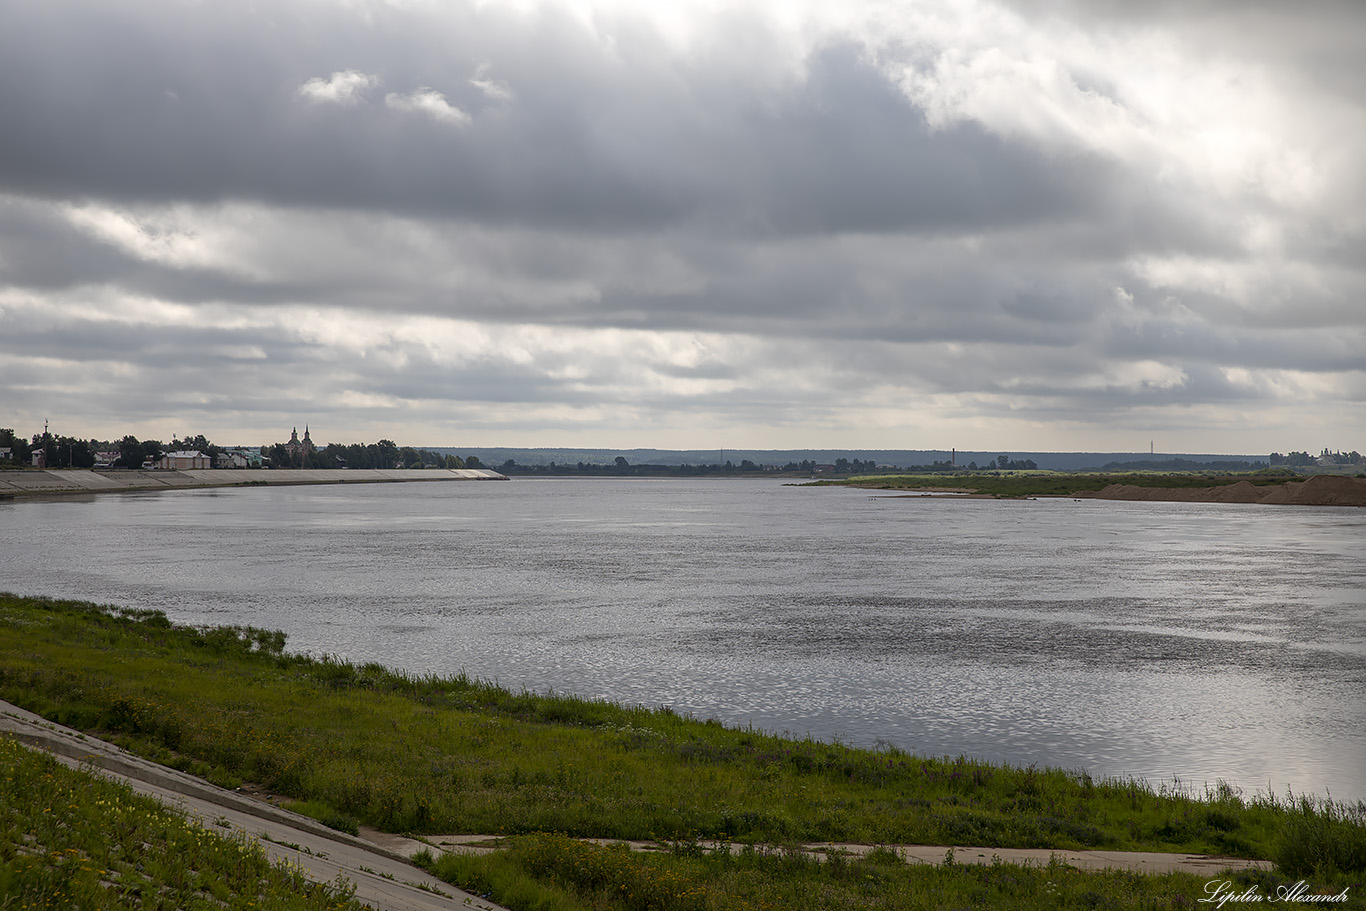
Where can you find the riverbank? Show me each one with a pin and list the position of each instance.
(81, 481)
(1317, 490)
(1320, 490)
(734, 811)
(112, 827)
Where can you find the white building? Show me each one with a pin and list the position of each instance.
(184, 459)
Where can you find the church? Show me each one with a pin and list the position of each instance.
(296, 446)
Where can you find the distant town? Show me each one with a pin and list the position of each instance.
(49, 450)
(55, 450)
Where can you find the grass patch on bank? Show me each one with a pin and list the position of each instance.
(544, 872)
(363, 744)
(72, 839)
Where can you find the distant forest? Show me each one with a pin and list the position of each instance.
(1182, 465)
(622, 467)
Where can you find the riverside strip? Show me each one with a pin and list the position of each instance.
(20, 483)
(364, 745)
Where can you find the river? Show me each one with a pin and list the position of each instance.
(1180, 643)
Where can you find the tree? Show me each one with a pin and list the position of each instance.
(473, 462)
(19, 449)
(130, 452)
(73, 453)
(621, 462)
(387, 452)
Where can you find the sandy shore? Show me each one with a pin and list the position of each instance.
(1320, 490)
(72, 481)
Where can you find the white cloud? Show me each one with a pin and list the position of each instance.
(494, 89)
(169, 236)
(429, 102)
(344, 87)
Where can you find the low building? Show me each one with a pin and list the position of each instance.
(106, 459)
(230, 459)
(240, 457)
(185, 459)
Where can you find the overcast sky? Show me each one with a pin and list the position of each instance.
(1023, 226)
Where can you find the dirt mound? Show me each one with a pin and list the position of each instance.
(1320, 490)
(1324, 490)
(1241, 492)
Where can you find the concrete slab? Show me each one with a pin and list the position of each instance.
(18, 483)
(383, 878)
(1134, 861)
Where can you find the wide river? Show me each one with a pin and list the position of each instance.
(1181, 643)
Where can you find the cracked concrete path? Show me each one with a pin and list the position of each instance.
(384, 878)
(1135, 861)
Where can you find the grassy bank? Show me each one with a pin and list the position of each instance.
(402, 753)
(555, 873)
(70, 839)
(1052, 483)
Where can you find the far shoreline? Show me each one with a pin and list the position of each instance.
(63, 482)
(1316, 490)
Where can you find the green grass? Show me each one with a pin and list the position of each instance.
(72, 839)
(1051, 483)
(553, 873)
(444, 755)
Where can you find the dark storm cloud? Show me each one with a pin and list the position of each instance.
(202, 103)
(41, 250)
(151, 344)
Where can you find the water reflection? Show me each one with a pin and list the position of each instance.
(1196, 641)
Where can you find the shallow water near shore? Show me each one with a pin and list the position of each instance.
(1199, 642)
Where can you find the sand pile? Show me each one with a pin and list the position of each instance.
(1321, 490)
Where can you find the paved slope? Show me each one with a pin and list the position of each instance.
(322, 853)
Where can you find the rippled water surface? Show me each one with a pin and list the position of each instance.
(1161, 640)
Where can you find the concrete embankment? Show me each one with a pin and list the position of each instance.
(383, 878)
(68, 481)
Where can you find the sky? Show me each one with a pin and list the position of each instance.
(1029, 225)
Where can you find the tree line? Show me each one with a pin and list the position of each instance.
(62, 451)
(1301, 459)
(384, 454)
(621, 467)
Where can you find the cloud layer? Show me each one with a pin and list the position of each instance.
(1030, 225)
